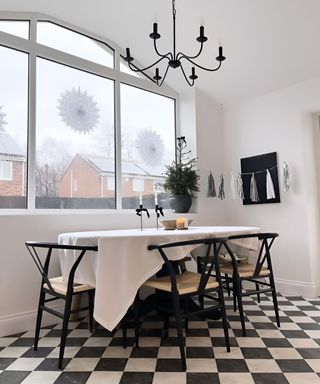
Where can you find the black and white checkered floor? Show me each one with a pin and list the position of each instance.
(267, 355)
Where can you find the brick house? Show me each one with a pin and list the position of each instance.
(93, 176)
(12, 167)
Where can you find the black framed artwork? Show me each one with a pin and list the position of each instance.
(258, 166)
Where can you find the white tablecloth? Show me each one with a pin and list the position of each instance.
(123, 262)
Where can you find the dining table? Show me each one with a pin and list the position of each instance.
(123, 262)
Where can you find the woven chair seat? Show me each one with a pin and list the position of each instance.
(60, 286)
(245, 270)
(187, 282)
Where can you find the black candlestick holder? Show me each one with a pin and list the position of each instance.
(139, 212)
(159, 211)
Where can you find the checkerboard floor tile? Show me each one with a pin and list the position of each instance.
(289, 354)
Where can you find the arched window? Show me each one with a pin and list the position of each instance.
(77, 128)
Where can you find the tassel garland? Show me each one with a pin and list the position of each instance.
(236, 190)
(221, 194)
(286, 177)
(240, 193)
(254, 195)
(232, 187)
(270, 187)
(211, 187)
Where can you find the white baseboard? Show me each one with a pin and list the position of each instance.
(26, 321)
(292, 288)
(297, 288)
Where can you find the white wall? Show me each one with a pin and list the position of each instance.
(201, 121)
(283, 121)
(210, 150)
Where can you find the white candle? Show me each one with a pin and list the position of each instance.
(155, 198)
(181, 223)
(140, 199)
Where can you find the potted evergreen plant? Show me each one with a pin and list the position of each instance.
(182, 179)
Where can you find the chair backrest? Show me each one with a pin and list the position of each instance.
(210, 263)
(35, 249)
(265, 242)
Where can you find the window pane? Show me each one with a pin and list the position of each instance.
(13, 127)
(148, 144)
(6, 170)
(15, 27)
(110, 183)
(75, 138)
(74, 43)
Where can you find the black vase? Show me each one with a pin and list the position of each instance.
(180, 203)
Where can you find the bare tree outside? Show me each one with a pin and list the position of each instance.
(104, 140)
(52, 159)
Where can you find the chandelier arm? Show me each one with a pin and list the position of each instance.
(164, 76)
(190, 57)
(146, 68)
(200, 66)
(185, 76)
(168, 55)
(145, 74)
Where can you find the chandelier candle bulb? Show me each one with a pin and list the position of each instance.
(155, 198)
(220, 57)
(140, 199)
(155, 28)
(182, 223)
(193, 74)
(202, 31)
(157, 76)
(128, 58)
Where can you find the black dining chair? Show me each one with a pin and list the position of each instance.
(58, 288)
(259, 273)
(182, 285)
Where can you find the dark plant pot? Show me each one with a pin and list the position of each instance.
(180, 203)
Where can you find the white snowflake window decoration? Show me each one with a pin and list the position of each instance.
(2, 120)
(78, 110)
(150, 147)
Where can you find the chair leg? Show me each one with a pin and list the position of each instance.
(201, 301)
(39, 318)
(64, 331)
(124, 332)
(227, 283)
(199, 270)
(238, 286)
(186, 325)
(274, 299)
(234, 288)
(166, 326)
(177, 313)
(91, 303)
(224, 318)
(199, 266)
(258, 294)
(186, 321)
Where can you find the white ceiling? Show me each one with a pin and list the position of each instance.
(269, 44)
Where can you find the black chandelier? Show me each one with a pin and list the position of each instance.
(175, 59)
